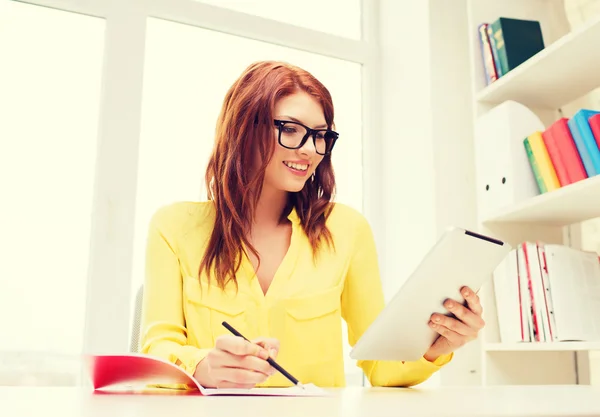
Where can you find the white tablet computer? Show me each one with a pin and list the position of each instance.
(401, 332)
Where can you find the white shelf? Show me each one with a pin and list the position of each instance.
(570, 204)
(557, 75)
(541, 347)
(566, 70)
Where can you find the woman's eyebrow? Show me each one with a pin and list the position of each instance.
(323, 126)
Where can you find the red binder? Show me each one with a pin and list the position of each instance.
(594, 122)
(563, 153)
(136, 372)
(145, 374)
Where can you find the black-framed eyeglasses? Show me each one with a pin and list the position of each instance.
(293, 135)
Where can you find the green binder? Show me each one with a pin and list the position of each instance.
(516, 41)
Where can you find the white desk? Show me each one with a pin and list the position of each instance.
(512, 401)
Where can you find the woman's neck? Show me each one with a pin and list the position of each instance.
(270, 207)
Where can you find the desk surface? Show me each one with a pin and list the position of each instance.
(510, 401)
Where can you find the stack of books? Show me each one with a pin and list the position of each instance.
(566, 152)
(507, 43)
(548, 293)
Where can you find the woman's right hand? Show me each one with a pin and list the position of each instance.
(236, 363)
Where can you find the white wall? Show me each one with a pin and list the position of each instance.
(428, 160)
(406, 129)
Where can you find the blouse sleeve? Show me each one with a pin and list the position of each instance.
(362, 301)
(163, 331)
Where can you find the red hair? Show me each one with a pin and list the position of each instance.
(245, 128)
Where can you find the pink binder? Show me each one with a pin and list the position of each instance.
(142, 374)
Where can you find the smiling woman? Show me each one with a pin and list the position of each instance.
(270, 252)
(182, 100)
(252, 180)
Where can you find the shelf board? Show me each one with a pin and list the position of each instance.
(541, 347)
(570, 204)
(562, 72)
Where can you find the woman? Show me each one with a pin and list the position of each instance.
(272, 255)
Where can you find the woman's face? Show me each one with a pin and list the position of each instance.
(289, 169)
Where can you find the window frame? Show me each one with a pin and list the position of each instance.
(109, 292)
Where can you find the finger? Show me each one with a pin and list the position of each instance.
(222, 359)
(473, 301)
(464, 314)
(453, 338)
(270, 344)
(240, 376)
(238, 346)
(251, 363)
(453, 325)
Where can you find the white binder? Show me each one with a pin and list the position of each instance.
(504, 175)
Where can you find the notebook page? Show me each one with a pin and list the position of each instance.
(308, 390)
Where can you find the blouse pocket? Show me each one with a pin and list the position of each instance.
(313, 326)
(207, 307)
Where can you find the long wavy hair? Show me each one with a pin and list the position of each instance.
(245, 134)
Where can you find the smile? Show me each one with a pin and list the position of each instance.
(297, 167)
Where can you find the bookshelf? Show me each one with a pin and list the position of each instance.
(558, 216)
(534, 82)
(541, 347)
(572, 204)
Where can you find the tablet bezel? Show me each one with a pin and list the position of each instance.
(401, 332)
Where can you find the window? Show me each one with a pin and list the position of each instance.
(336, 17)
(183, 92)
(49, 106)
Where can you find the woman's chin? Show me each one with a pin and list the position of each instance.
(294, 186)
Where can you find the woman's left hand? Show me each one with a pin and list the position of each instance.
(455, 332)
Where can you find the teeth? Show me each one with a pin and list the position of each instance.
(299, 167)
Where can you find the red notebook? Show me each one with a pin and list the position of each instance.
(144, 374)
(563, 153)
(594, 122)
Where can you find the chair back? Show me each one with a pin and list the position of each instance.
(134, 344)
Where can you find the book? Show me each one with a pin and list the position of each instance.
(508, 295)
(494, 48)
(563, 152)
(515, 40)
(487, 57)
(534, 166)
(594, 122)
(144, 374)
(584, 140)
(542, 159)
(548, 293)
(536, 292)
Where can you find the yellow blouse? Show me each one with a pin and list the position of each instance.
(303, 306)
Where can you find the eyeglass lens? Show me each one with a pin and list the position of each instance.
(292, 135)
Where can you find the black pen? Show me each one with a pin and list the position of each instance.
(270, 360)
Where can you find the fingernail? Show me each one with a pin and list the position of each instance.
(273, 352)
(433, 325)
(436, 318)
(450, 304)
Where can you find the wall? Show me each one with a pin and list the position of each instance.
(406, 129)
(428, 161)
